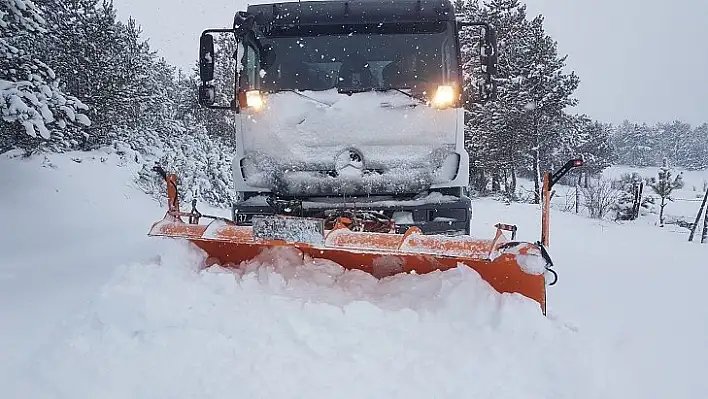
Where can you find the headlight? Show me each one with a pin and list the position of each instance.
(254, 99)
(444, 97)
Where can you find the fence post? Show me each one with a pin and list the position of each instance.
(704, 237)
(546, 209)
(635, 202)
(639, 200)
(698, 219)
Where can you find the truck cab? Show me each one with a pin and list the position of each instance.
(351, 109)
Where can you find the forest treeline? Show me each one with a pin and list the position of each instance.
(75, 77)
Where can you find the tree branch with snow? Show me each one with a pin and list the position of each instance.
(29, 89)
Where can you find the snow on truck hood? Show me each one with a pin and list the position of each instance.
(337, 143)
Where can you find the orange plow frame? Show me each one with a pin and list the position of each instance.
(380, 254)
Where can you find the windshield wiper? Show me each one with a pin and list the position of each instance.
(422, 100)
(383, 89)
(352, 91)
(307, 97)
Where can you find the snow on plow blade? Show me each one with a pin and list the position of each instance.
(509, 267)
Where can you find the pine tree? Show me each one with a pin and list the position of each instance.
(675, 141)
(527, 126)
(110, 67)
(637, 144)
(494, 137)
(550, 92)
(590, 140)
(663, 187)
(184, 145)
(139, 104)
(30, 95)
(697, 149)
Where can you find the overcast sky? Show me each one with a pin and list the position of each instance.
(643, 60)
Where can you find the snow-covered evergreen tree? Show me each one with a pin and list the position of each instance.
(636, 144)
(695, 149)
(526, 128)
(86, 45)
(663, 187)
(185, 146)
(138, 103)
(30, 95)
(675, 141)
(494, 137)
(585, 138)
(549, 90)
(643, 145)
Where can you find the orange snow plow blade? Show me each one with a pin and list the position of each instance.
(508, 266)
(380, 254)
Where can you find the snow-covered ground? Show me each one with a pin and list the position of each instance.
(687, 200)
(66, 225)
(92, 307)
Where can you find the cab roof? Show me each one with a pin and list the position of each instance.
(339, 12)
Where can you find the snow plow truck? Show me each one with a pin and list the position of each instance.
(350, 143)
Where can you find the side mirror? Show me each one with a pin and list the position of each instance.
(207, 94)
(487, 90)
(488, 52)
(206, 58)
(488, 57)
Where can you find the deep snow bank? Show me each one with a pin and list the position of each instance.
(67, 221)
(95, 308)
(284, 328)
(634, 286)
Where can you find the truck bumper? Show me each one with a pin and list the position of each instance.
(448, 217)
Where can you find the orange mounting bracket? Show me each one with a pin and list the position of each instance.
(549, 180)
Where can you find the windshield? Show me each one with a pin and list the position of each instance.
(351, 61)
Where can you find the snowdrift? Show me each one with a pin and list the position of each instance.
(95, 308)
(288, 328)
(67, 221)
